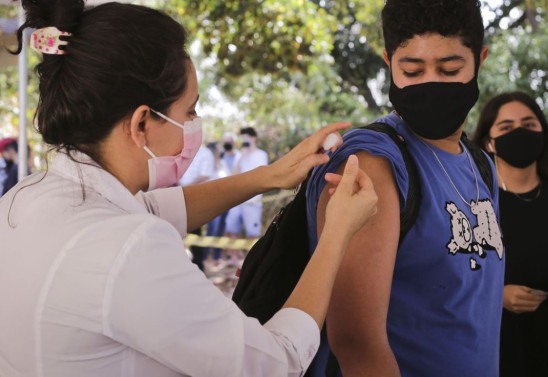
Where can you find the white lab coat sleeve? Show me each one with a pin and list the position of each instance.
(168, 204)
(295, 332)
(162, 305)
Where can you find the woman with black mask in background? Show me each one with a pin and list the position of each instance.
(513, 130)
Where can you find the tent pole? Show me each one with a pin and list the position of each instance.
(23, 83)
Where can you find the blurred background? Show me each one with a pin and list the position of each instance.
(287, 67)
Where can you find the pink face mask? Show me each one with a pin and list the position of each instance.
(166, 171)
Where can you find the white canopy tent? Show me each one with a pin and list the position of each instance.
(7, 35)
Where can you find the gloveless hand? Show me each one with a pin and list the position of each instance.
(519, 299)
(353, 201)
(291, 169)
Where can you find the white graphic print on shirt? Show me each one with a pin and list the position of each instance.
(468, 240)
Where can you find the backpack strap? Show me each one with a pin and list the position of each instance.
(409, 213)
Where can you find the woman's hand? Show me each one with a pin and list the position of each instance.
(521, 299)
(353, 201)
(291, 169)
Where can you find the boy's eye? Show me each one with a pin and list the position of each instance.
(450, 73)
(411, 74)
(529, 125)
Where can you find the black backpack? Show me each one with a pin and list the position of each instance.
(274, 264)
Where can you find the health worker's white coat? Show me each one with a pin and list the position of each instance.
(94, 283)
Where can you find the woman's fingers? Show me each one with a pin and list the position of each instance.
(317, 140)
(361, 179)
(293, 168)
(353, 199)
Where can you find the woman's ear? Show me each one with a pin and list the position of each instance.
(489, 146)
(139, 124)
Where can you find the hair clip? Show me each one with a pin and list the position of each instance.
(46, 40)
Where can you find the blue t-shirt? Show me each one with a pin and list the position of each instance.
(446, 299)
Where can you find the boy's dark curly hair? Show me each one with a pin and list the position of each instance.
(403, 19)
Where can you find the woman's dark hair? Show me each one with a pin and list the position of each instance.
(120, 56)
(403, 19)
(489, 115)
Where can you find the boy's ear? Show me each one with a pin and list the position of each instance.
(385, 57)
(483, 55)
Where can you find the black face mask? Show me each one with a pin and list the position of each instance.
(520, 147)
(434, 110)
(227, 147)
(245, 144)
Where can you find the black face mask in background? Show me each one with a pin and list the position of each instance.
(520, 147)
(227, 147)
(434, 110)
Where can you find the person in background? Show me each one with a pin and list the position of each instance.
(94, 280)
(216, 227)
(201, 169)
(429, 304)
(246, 217)
(3, 165)
(230, 154)
(10, 154)
(513, 130)
(2, 174)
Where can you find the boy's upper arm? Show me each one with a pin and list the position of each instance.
(356, 319)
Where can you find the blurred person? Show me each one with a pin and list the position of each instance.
(3, 166)
(10, 155)
(230, 154)
(428, 304)
(2, 174)
(201, 169)
(246, 219)
(92, 270)
(216, 227)
(513, 130)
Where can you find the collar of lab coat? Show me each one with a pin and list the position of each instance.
(82, 170)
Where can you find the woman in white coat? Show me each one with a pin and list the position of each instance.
(94, 280)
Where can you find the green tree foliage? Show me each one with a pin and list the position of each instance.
(289, 66)
(273, 58)
(357, 47)
(517, 60)
(517, 36)
(264, 36)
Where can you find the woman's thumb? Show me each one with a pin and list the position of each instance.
(350, 172)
